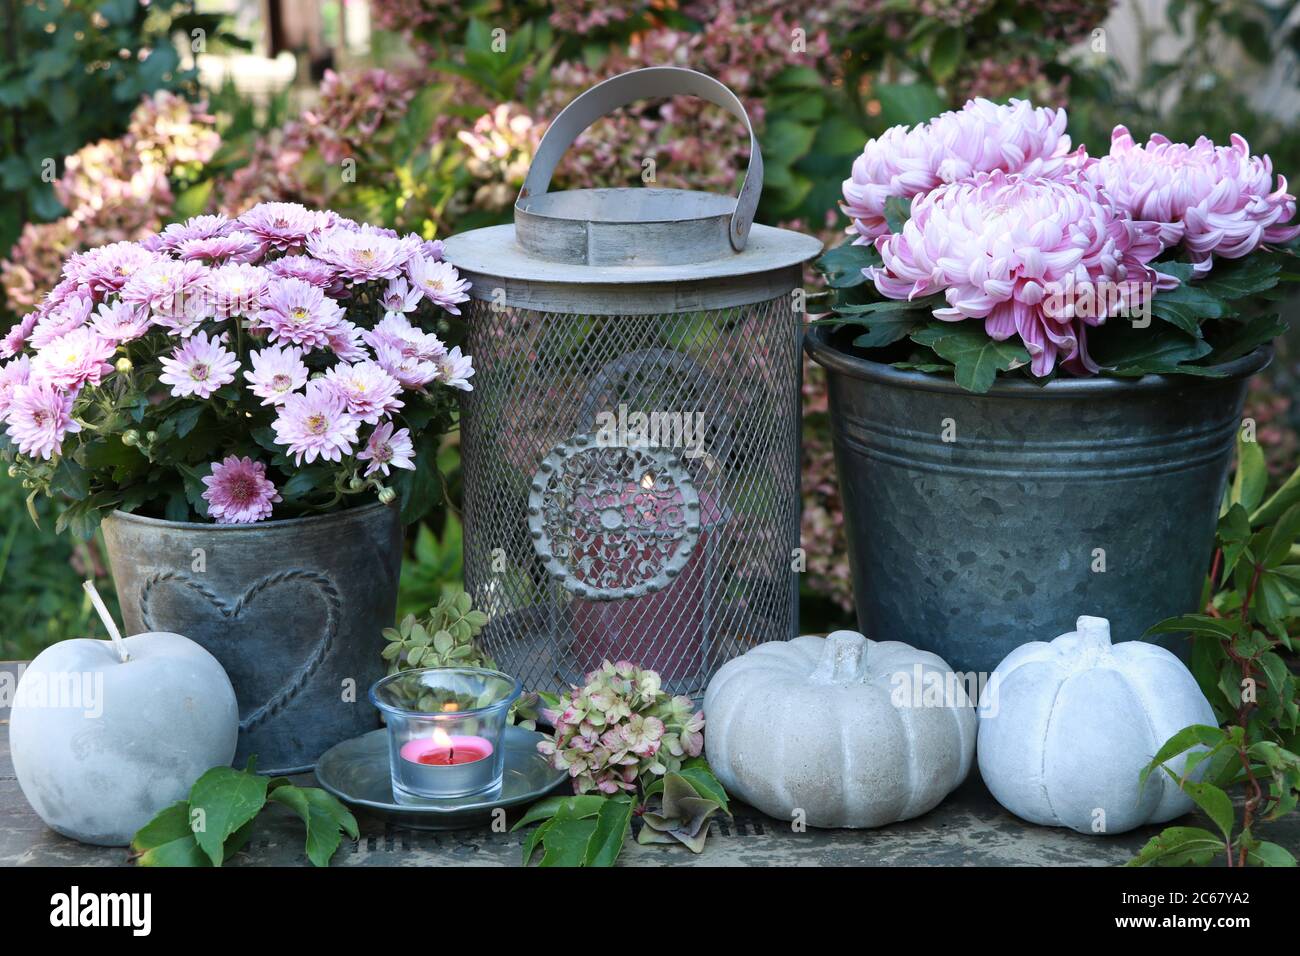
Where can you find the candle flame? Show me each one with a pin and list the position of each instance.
(441, 738)
(450, 706)
(647, 481)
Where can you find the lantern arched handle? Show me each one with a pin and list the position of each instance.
(655, 81)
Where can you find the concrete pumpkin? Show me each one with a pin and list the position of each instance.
(844, 731)
(1066, 727)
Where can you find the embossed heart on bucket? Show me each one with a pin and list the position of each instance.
(300, 606)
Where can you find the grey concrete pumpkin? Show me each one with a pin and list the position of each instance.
(839, 731)
(100, 745)
(1065, 728)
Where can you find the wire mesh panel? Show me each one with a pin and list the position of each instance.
(632, 487)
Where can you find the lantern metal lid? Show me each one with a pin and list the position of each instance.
(651, 239)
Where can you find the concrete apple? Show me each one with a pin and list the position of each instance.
(104, 734)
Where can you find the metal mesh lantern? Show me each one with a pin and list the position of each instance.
(631, 446)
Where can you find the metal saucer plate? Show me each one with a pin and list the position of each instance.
(356, 771)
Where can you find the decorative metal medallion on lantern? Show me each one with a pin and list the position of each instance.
(631, 448)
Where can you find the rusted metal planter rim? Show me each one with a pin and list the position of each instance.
(837, 360)
(362, 511)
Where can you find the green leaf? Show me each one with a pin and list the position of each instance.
(1270, 854)
(1281, 537)
(908, 103)
(1216, 804)
(1157, 349)
(1230, 279)
(612, 825)
(566, 841)
(1179, 846)
(946, 52)
(192, 201)
(697, 772)
(324, 815)
(535, 839)
(843, 265)
(1187, 306)
(577, 806)
(228, 799)
(1285, 497)
(976, 357)
(184, 851)
(1252, 474)
(169, 824)
(1181, 742)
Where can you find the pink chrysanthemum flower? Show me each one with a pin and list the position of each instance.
(276, 373)
(433, 249)
(199, 367)
(305, 268)
(39, 418)
(316, 425)
(282, 225)
(370, 392)
(980, 137)
(1037, 258)
(233, 247)
(345, 342)
(78, 358)
(105, 270)
(17, 335)
(1215, 200)
(364, 255)
(120, 322)
(12, 374)
(412, 371)
(195, 228)
(298, 312)
(175, 294)
(455, 370)
(239, 491)
(237, 289)
(395, 332)
(388, 449)
(399, 298)
(439, 281)
(71, 314)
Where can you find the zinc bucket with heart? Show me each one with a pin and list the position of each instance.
(292, 609)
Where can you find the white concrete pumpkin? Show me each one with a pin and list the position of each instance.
(852, 732)
(1066, 727)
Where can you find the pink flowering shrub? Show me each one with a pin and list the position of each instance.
(277, 364)
(985, 243)
(114, 190)
(620, 731)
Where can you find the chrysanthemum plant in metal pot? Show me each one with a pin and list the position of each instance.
(198, 386)
(1019, 332)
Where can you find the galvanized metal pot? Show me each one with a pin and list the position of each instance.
(977, 523)
(292, 609)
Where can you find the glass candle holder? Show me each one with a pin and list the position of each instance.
(444, 731)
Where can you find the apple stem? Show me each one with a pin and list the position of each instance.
(107, 618)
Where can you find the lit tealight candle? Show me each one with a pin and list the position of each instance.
(444, 750)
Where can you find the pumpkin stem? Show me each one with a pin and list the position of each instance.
(1093, 631)
(843, 661)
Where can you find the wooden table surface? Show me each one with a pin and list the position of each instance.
(969, 828)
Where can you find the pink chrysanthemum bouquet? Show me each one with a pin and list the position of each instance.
(283, 363)
(985, 243)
